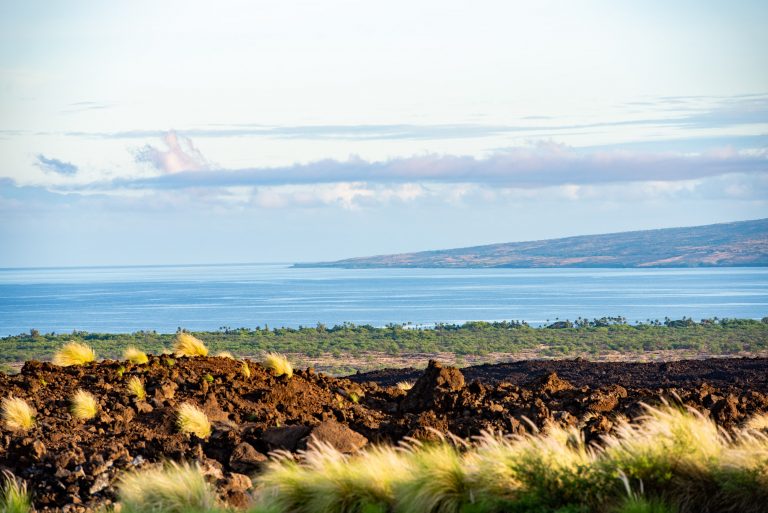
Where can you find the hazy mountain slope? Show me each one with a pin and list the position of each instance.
(743, 243)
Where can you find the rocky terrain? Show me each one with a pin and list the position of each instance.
(73, 465)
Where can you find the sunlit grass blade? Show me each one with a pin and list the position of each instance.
(175, 488)
(188, 345)
(17, 414)
(14, 497)
(135, 356)
(74, 353)
(191, 419)
(278, 363)
(136, 388)
(83, 405)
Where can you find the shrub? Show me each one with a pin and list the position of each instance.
(189, 345)
(83, 405)
(136, 388)
(175, 488)
(74, 353)
(193, 420)
(17, 414)
(14, 497)
(278, 363)
(135, 356)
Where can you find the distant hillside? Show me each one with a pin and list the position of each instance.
(743, 243)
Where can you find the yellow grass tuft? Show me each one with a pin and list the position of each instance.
(17, 414)
(83, 405)
(405, 385)
(189, 345)
(225, 354)
(193, 420)
(135, 356)
(175, 488)
(74, 353)
(278, 363)
(136, 388)
(245, 370)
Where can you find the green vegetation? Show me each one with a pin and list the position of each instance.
(14, 497)
(175, 488)
(580, 337)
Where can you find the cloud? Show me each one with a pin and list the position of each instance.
(55, 165)
(684, 113)
(179, 155)
(542, 165)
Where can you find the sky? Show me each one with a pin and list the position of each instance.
(142, 132)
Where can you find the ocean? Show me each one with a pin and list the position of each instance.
(207, 297)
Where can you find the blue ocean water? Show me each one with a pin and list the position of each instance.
(162, 298)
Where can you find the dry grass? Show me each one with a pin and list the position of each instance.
(135, 356)
(175, 488)
(193, 420)
(17, 414)
(189, 345)
(278, 364)
(225, 354)
(245, 370)
(74, 353)
(83, 405)
(405, 385)
(136, 388)
(757, 422)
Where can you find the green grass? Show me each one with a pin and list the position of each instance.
(14, 497)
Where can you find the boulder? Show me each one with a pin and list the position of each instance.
(337, 435)
(245, 459)
(428, 389)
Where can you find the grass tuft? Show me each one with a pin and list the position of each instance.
(245, 370)
(74, 353)
(405, 385)
(278, 363)
(189, 345)
(174, 488)
(678, 460)
(225, 354)
(14, 497)
(135, 356)
(330, 482)
(17, 414)
(193, 420)
(136, 388)
(83, 405)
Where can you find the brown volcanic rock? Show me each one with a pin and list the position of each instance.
(550, 384)
(74, 465)
(428, 389)
(337, 435)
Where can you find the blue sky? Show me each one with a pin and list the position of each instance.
(201, 132)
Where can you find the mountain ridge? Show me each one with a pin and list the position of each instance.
(733, 244)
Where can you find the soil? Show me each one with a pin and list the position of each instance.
(74, 465)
